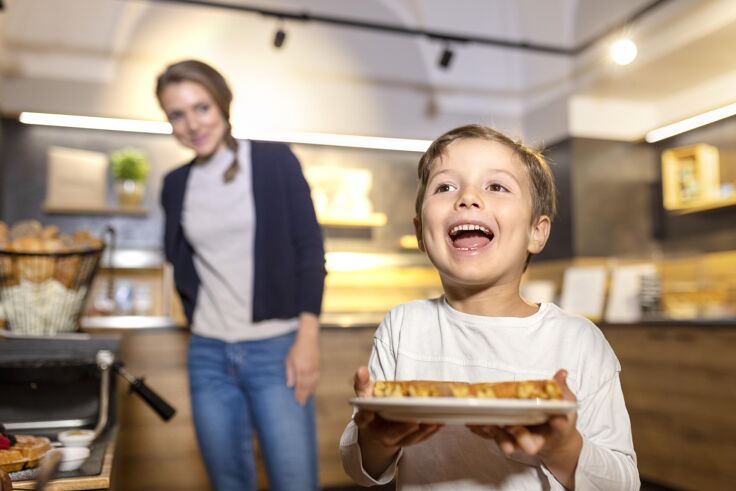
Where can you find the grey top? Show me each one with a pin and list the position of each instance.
(219, 222)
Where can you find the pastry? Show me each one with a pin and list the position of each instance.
(12, 460)
(523, 389)
(25, 453)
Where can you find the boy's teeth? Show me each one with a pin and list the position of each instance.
(459, 228)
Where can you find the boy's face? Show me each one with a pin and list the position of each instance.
(476, 220)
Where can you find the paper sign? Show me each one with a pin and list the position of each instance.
(584, 291)
(623, 301)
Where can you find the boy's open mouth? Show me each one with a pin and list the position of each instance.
(468, 236)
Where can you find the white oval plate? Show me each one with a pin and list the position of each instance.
(450, 410)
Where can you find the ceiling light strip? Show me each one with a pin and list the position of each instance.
(162, 128)
(691, 123)
(95, 123)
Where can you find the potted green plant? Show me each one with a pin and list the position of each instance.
(130, 169)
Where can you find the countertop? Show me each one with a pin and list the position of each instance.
(346, 320)
(72, 481)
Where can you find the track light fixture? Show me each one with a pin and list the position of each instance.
(445, 36)
(279, 37)
(446, 57)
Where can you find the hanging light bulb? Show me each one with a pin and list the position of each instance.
(623, 51)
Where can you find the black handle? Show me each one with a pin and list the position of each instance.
(162, 408)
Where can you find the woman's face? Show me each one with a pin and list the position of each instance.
(196, 120)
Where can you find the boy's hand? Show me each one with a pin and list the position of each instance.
(362, 383)
(557, 442)
(380, 439)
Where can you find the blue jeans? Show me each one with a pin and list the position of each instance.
(239, 387)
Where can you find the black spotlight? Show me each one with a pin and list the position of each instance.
(446, 57)
(279, 38)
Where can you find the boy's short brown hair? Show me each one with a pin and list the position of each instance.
(543, 189)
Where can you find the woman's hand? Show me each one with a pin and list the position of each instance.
(557, 442)
(380, 439)
(302, 363)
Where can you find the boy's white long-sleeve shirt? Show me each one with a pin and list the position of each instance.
(429, 340)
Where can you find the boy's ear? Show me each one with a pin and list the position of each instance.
(539, 234)
(418, 232)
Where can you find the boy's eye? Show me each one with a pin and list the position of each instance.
(444, 188)
(497, 187)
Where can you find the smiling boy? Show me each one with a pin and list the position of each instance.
(484, 206)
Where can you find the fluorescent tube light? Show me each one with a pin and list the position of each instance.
(691, 123)
(337, 140)
(160, 127)
(95, 123)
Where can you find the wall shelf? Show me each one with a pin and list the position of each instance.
(372, 220)
(95, 210)
(704, 206)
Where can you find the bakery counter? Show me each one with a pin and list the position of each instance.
(669, 322)
(128, 322)
(678, 381)
(94, 474)
(164, 456)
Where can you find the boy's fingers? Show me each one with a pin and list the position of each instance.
(499, 435)
(561, 378)
(529, 442)
(423, 432)
(364, 418)
(505, 443)
(558, 423)
(362, 382)
(388, 433)
(395, 433)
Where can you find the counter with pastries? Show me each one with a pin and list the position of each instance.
(59, 390)
(95, 473)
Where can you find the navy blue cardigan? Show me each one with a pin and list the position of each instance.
(289, 262)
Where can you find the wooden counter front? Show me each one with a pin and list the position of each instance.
(152, 454)
(679, 382)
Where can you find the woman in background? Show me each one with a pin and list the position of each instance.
(241, 233)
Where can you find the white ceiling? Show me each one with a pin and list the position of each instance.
(100, 57)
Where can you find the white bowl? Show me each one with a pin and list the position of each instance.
(72, 457)
(76, 438)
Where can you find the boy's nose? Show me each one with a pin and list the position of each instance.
(469, 198)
